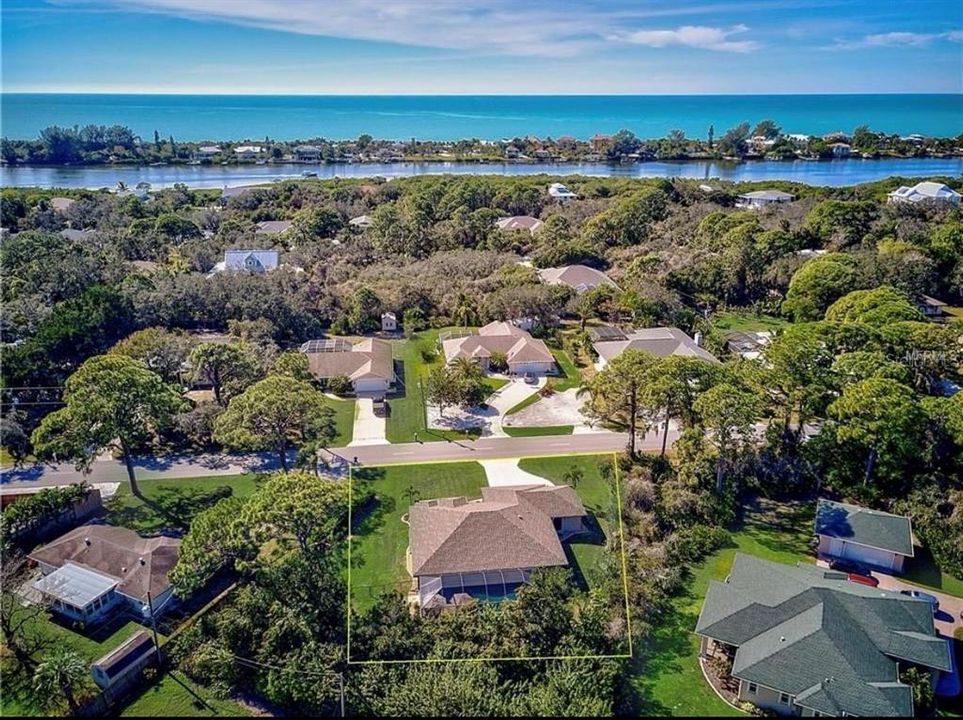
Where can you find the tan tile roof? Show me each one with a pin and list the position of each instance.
(370, 357)
(516, 344)
(576, 276)
(510, 527)
(139, 564)
(519, 222)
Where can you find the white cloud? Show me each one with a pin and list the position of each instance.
(517, 27)
(898, 39)
(696, 36)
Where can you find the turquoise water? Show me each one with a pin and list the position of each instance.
(827, 172)
(283, 117)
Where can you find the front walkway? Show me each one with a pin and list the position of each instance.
(507, 472)
(369, 429)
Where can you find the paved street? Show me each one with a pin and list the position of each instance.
(183, 466)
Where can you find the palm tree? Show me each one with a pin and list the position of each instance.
(62, 671)
(573, 476)
(465, 312)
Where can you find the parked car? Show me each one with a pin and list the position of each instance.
(920, 595)
(863, 579)
(531, 379)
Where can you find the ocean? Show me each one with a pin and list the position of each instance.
(492, 117)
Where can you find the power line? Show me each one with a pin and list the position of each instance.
(254, 664)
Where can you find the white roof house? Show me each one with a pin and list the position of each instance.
(362, 221)
(257, 261)
(579, 277)
(248, 150)
(926, 192)
(519, 222)
(561, 192)
(761, 198)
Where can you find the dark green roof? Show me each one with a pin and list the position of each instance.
(872, 528)
(812, 633)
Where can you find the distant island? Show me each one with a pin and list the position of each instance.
(119, 145)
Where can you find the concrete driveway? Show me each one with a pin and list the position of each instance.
(369, 429)
(507, 472)
(947, 620)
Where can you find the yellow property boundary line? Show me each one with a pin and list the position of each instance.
(625, 580)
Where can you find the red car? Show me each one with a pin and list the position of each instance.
(863, 579)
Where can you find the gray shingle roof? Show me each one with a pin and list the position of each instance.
(812, 633)
(660, 341)
(872, 528)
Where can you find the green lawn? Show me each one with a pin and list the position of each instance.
(571, 377)
(175, 695)
(18, 697)
(406, 415)
(536, 431)
(922, 570)
(344, 411)
(173, 503)
(599, 499)
(669, 679)
(746, 321)
(380, 538)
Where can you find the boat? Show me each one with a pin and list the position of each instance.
(309, 173)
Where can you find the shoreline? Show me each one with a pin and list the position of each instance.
(826, 173)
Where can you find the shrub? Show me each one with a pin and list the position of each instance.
(340, 385)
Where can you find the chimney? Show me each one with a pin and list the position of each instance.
(698, 339)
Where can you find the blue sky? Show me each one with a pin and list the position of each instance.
(482, 46)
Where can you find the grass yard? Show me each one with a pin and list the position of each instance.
(344, 411)
(669, 680)
(407, 408)
(598, 497)
(175, 695)
(571, 377)
(922, 570)
(18, 697)
(172, 504)
(380, 538)
(537, 431)
(746, 322)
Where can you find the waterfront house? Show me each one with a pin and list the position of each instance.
(206, 152)
(841, 149)
(869, 537)
(61, 204)
(519, 222)
(578, 277)
(253, 261)
(599, 141)
(368, 364)
(94, 570)
(805, 640)
(762, 198)
(658, 341)
(524, 354)
(489, 547)
(561, 193)
(307, 153)
(928, 192)
(247, 152)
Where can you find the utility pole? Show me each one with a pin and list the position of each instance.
(153, 627)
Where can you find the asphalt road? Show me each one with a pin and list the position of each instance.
(185, 466)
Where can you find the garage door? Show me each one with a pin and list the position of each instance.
(870, 556)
